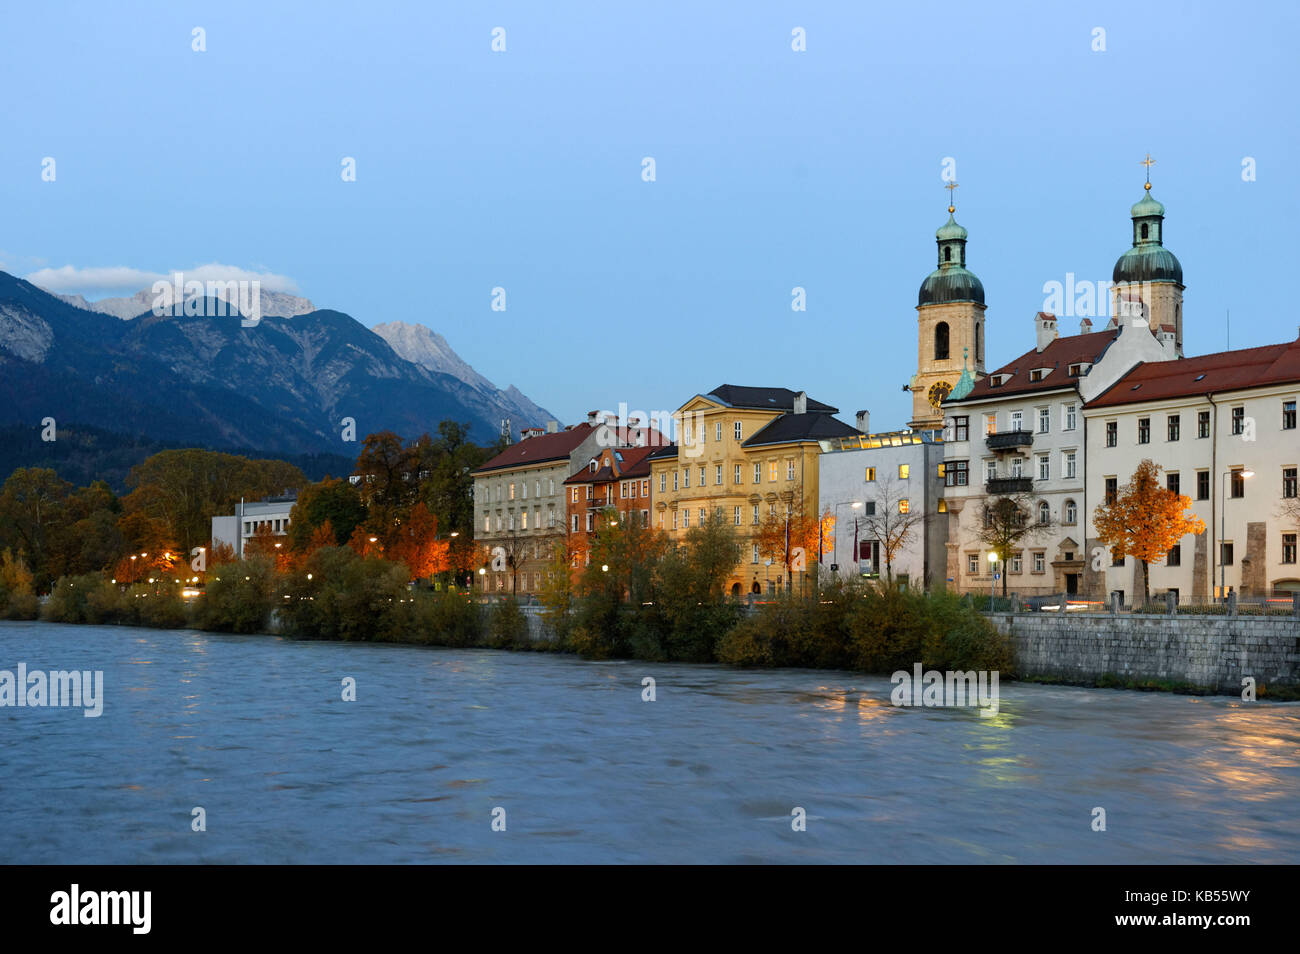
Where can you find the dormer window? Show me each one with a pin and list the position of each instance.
(593, 466)
(1037, 374)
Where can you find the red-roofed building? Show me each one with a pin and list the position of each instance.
(616, 478)
(520, 498)
(1209, 421)
(1018, 434)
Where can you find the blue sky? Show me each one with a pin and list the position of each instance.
(775, 169)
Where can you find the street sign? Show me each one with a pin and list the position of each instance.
(997, 576)
(835, 568)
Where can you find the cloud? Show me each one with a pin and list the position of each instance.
(69, 279)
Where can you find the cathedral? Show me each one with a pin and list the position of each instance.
(950, 307)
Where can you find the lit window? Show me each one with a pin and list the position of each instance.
(904, 506)
(871, 474)
(904, 471)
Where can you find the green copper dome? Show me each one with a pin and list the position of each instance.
(951, 281)
(965, 383)
(1148, 260)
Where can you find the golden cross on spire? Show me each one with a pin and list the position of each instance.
(1148, 162)
(951, 207)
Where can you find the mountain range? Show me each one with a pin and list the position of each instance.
(283, 386)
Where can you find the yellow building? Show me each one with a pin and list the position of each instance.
(747, 452)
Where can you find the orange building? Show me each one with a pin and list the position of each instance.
(618, 478)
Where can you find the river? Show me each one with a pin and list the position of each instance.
(256, 733)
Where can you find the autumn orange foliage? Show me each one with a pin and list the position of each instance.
(1145, 520)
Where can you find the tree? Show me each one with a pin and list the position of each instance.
(31, 507)
(892, 522)
(1145, 520)
(711, 553)
(632, 551)
(787, 535)
(416, 544)
(1007, 525)
(331, 501)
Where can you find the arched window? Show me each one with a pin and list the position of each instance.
(979, 342)
(1044, 512)
(941, 341)
(1071, 512)
(947, 253)
(1144, 230)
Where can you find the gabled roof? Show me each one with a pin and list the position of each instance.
(541, 449)
(1206, 374)
(668, 452)
(767, 399)
(813, 426)
(1059, 355)
(636, 463)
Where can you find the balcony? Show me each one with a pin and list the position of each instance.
(1004, 486)
(1009, 440)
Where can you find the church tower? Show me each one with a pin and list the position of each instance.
(950, 327)
(1148, 272)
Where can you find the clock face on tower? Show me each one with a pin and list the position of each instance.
(938, 391)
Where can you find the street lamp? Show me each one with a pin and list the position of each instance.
(1223, 525)
(993, 572)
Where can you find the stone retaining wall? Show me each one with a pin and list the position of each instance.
(1213, 652)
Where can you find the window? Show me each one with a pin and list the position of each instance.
(686, 516)
(941, 340)
(758, 473)
(1017, 420)
(512, 486)
(990, 470)
(955, 473)
(1175, 555)
(1116, 560)
(973, 564)
(675, 477)
(1202, 424)
(1071, 465)
(703, 469)
(904, 505)
(1172, 481)
(663, 482)
(961, 428)
(487, 523)
(686, 478)
(1225, 554)
(1288, 415)
(702, 521)
(1044, 512)
(736, 474)
(943, 506)
(1288, 547)
(1017, 467)
(1040, 562)
(523, 520)
(990, 423)
(1174, 426)
(1288, 482)
(904, 471)
(1238, 420)
(717, 431)
(1202, 485)
(591, 522)
(1237, 483)
(1144, 430)
(736, 515)
(871, 475)
(674, 519)
(771, 471)
(1044, 419)
(870, 508)
(755, 559)
(717, 474)
(1112, 489)
(1112, 433)
(1070, 513)
(789, 470)
(1071, 417)
(756, 515)
(1044, 467)
(1018, 562)
(737, 430)
(590, 491)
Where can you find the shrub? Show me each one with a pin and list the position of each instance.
(507, 627)
(17, 597)
(238, 597)
(443, 619)
(348, 597)
(78, 599)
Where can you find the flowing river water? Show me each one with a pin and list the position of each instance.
(254, 730)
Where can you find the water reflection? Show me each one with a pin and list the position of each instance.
(254, 730)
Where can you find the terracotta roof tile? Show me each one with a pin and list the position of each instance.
(1059, 355)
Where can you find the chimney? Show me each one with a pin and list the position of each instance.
(864, 422)
(611, 420)
(591, 417)
(1131, 312)
(801, 402)
(552, 427)
(1045, 325)
(1085, 326)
